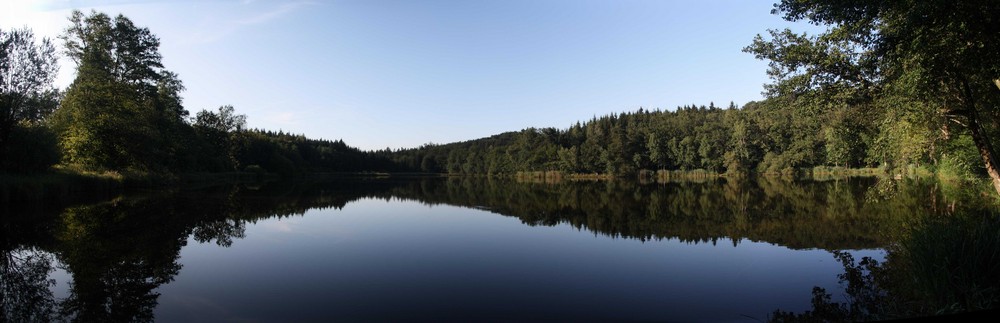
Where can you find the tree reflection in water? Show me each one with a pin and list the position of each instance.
(946, 261)
(118, 252)
(25, 294)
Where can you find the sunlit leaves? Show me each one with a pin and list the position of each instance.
(919, 58)
(123, 111)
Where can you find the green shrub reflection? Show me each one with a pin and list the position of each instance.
(944, 264)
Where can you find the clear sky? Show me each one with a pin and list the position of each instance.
(401, 73)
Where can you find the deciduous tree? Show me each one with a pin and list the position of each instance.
(27, 69)
(123, 110)
(946, 54)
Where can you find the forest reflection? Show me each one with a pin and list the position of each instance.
(119, 251)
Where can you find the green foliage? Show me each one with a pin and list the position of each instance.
(836, 101)
(288, 154)
(691, 137)
(780, 135)
(123, 107)
(218, 131)
(27, 70)
(926, 65)
(959, 159)
(124, 113)
(744, 151)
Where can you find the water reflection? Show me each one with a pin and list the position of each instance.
(119, 252)
(831, 215)
(939, 265)
(24, 285)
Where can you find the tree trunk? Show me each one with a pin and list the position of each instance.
(985, 150)
(982, 142)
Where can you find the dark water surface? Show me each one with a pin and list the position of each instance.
(450, 249)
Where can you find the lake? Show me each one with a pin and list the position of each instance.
(445, 249)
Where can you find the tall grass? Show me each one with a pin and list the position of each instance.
(951, 168)
(551, 176)
(954, 262)
(694, 174)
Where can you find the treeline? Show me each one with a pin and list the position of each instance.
(777, 135)
(289, 154)
(124, 113)
(827, 110)
(897, 86)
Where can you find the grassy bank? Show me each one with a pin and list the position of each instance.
(817, 173)
(59, 184)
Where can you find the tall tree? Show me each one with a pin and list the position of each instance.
(221, 130)
(945, 53)
(123, 106)
(27, 69)
(656, 144)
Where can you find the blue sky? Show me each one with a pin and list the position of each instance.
(400, 73)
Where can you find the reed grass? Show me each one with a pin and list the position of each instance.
(955, 262)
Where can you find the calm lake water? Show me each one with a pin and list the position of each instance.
(450, 249)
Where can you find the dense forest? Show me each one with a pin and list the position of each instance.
(776, 135)
(891, 86)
